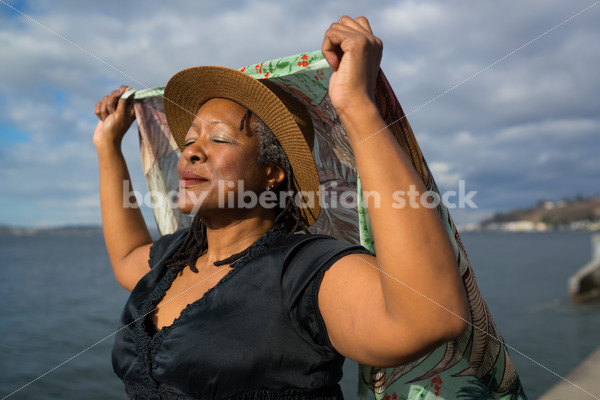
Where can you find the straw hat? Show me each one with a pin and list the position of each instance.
(285, 115)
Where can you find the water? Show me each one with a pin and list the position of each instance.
(523, 278)
(60, 305)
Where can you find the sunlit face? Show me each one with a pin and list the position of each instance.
(217, 157)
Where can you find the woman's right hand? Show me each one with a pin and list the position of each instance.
(116, 116)
(125, 232)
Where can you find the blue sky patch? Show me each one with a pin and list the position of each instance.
(10, 134)
(6, 10)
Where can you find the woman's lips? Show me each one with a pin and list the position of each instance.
(192, 182)
(189, 178)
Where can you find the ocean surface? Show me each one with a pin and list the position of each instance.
(60, 306)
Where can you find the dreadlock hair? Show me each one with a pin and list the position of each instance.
(289, 218)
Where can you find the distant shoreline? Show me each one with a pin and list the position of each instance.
(54, 231)
(66, 230)
(578, 214)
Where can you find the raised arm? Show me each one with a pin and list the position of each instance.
(125, 233)
(389, 309)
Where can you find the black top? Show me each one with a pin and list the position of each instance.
(258, 334)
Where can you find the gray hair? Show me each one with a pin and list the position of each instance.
(270, 151)
(269, 148)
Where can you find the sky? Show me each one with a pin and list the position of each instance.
(503, 96)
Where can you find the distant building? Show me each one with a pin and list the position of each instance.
(549, 205)
(518, 226)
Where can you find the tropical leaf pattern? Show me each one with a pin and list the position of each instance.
(474, 366)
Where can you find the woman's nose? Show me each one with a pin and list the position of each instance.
(194, 152)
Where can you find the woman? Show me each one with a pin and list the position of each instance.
(244, 305)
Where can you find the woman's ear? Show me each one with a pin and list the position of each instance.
(275, 175)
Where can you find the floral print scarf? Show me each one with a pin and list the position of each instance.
(476, 365)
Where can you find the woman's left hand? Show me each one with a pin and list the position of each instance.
(354, 54)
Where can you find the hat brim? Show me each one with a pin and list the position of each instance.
(190, 88)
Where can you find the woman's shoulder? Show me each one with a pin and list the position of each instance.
(317, 243)
(308, 258)
(305, 255)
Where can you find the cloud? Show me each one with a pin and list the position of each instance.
(524, 129)
(521, 130)
(444, 177)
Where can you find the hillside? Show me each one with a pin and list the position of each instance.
(575, 214)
